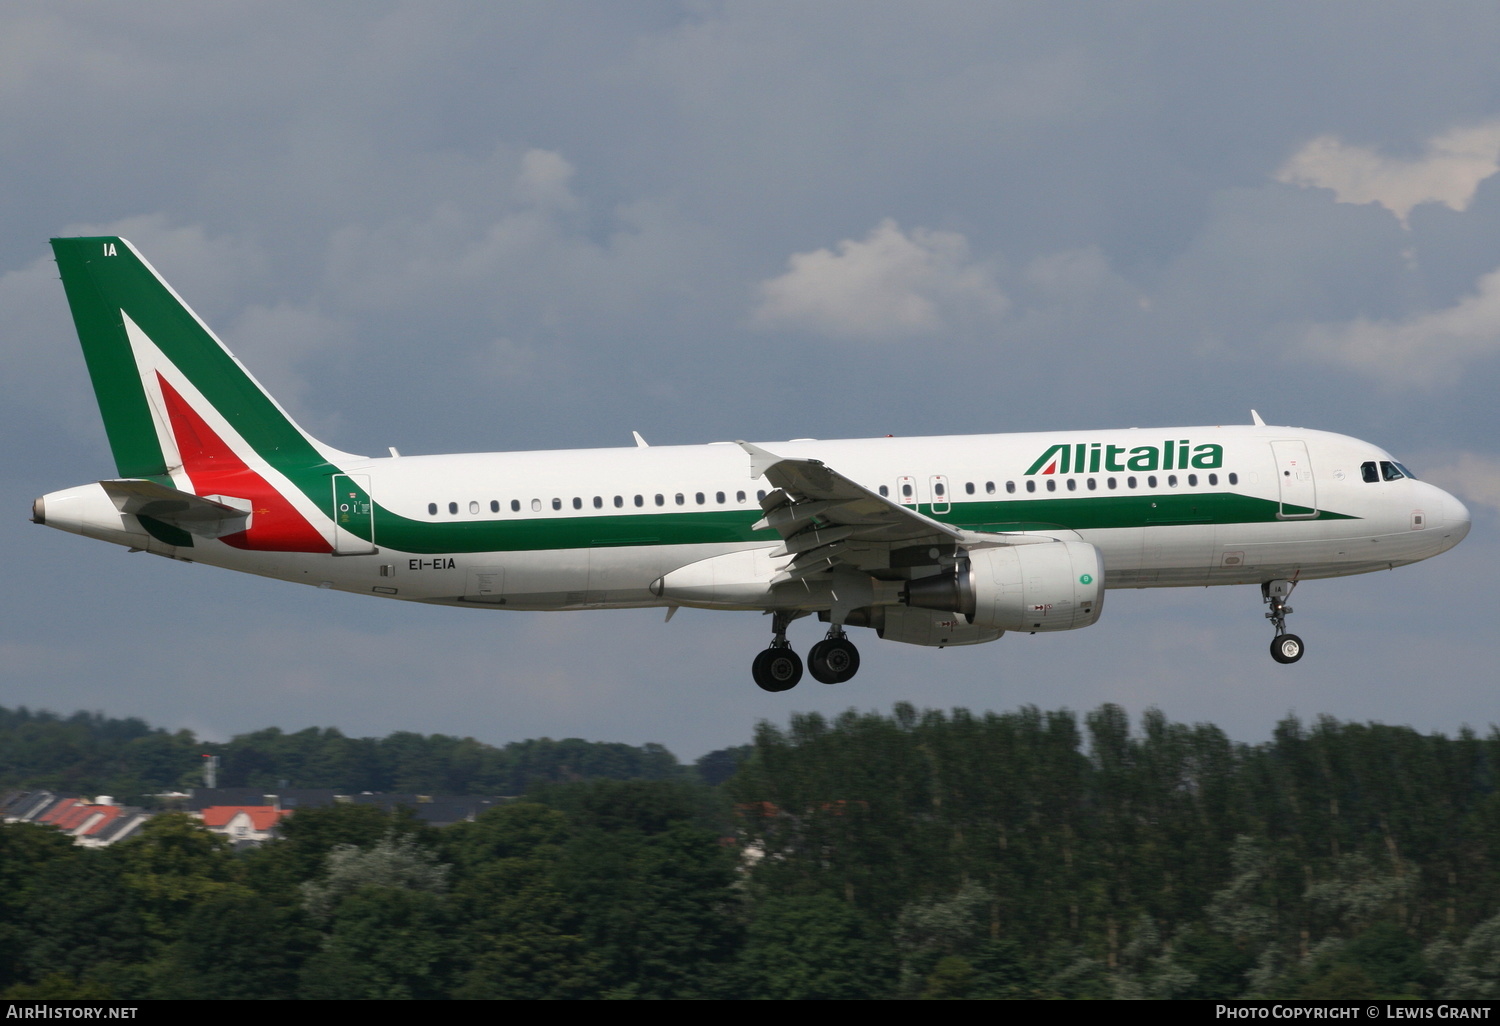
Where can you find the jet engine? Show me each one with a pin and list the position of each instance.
(1049, 586)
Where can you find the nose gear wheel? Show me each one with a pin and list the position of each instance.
(1285, 647)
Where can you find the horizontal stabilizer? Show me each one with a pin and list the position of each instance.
(194, 514)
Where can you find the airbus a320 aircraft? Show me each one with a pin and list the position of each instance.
(930, 541)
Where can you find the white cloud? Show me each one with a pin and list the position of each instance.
(1426, 350)
(890, 285)
(1473, 477)
(1448, 173)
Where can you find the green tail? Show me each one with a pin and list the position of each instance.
(110, 286)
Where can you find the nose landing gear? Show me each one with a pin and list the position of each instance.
(1285, 648)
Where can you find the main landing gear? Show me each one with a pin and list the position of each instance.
(832, 660)
(1285, 648)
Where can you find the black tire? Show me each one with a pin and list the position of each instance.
(833, 660)
(1286, 648)
(777, 669)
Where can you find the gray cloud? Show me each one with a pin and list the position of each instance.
(456, 226)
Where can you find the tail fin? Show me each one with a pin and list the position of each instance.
(179, 408)
(137, 334)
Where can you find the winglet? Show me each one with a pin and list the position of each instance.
(1256, 418)
(640, 443)
(760, 460)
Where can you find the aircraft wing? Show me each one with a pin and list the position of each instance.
(825, 519)
(192, 513)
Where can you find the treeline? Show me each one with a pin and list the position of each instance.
(602, 889)
(1026, 853)
(920, 854)
(88, 753)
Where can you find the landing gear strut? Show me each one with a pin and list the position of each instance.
(834, 659)
(778, 668)
(1285, 648)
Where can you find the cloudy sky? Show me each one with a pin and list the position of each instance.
(515, 225)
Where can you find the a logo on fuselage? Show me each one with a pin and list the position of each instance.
(1097, 457)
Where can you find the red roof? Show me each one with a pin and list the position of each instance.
(51, 815)
(262, 817)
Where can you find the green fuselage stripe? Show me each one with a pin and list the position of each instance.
(721, 527)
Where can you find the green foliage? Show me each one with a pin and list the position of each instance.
(93, 754)
(812, 947)
(384, 943)
(918, 854)
(392, 863)
(1157, 863)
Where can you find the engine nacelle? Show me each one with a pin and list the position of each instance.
(928, 627)
(1051, 586)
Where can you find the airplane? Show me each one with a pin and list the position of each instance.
(935, 541)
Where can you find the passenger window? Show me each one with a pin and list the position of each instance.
(739, 496)
(1171, 480)
(640, 500)
(760, 495)
(1110, 483)
(885, 492)
(906, 491)
(989, 487)
(473, 506)
(1051, 484)
(598, 502)
(432, 509)
(1072, 484)
(1151, 481)
(515, 505)
(1213, 479)
(719, 498)
(1093, 484)
(699, 498)
(680, 499)
(1010, 488)
(661, 500)
(557, 504)
(968, 487)
(938, 489)
(1234, 479)
(1130, 482)
(452, 507)
(494, 505)
(1192, 480)
(536, 505)
(619, 501)
(577, 502)
(1031, 486)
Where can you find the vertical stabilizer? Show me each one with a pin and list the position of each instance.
(180, 409)
(136, 333)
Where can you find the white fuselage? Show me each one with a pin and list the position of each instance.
(595, 528)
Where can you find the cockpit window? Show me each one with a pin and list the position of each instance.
(1406, 473)
(1389, 471)
(1368, 472)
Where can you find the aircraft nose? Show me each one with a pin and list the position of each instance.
(1455, 519)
